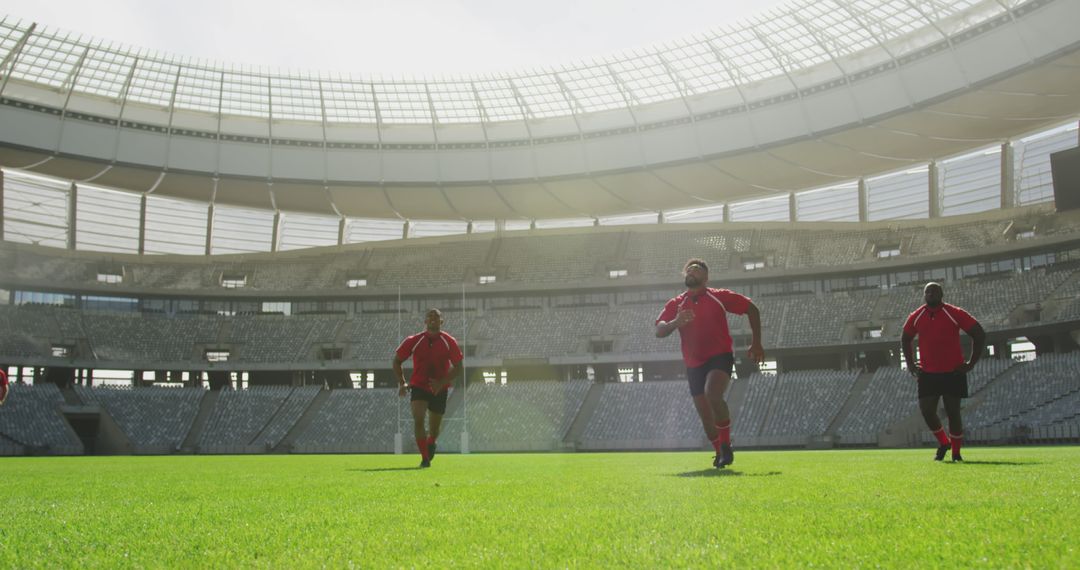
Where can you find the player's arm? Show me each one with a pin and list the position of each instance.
(756, 352)
(978, 338)
(454, 372)
(400, 375)
(906, 341)
(664, 328)
(451, 375)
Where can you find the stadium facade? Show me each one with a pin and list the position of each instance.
(226, 225)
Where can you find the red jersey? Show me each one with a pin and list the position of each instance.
(431, 354)
(938, 329)
(3, 386)
(707, 335)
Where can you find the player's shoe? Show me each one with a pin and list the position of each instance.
(956, 458)
(941, 451)
(425, 463)
(725, 457)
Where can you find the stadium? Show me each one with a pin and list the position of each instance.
(215, 261)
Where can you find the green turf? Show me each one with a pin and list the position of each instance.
(1005, 507)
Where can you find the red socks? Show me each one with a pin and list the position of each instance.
(957, 441)
(943, 439)
(725, 432)
(724, 435)
(422, 444)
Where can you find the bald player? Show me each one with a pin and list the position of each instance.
(941, 370)
(436, 362)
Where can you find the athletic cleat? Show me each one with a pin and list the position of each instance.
(956, 458)
(726, 456)
(431, 451)
(941, 451)
(425, 463)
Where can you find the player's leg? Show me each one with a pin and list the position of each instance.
(696, 377)
(708, 423)
(436, 409)
(705, 412)
(928, 405)
(434, 425)
(956, 425)
(419, 406)
(716, 384)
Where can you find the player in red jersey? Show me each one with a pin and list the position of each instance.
(700, 315)
(941, 370)
(3, 387)
(436, 362)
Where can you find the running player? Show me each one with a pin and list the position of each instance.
(436, 362)
(700, 315)
(941, 371)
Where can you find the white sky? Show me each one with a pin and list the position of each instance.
(392, 38)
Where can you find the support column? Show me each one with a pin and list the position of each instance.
(1008, 175)
(793, 208)
(341, 231)
(275, 232)
(142, 224)
(864, 202)
(213, 199)
(934, 195)
(209, 228)
(73, 195)
(1, 204)
(727, 212)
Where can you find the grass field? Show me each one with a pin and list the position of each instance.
(1005, 507)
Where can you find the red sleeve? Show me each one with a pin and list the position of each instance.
(455, 351)
(669, 312)
(405, 350)
(733, 302)
(963, 318)
(909, 324)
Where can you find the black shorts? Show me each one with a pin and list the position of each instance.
(697, 376)
(933, 384)
(435, 403)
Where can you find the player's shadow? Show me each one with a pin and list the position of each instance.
(725, 473)
(1008, 463)
(379, 469)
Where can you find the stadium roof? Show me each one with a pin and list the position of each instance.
(797, 36)
(810, 94)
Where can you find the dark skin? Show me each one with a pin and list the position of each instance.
(711, 406)
(432, 325)
(933, 295)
